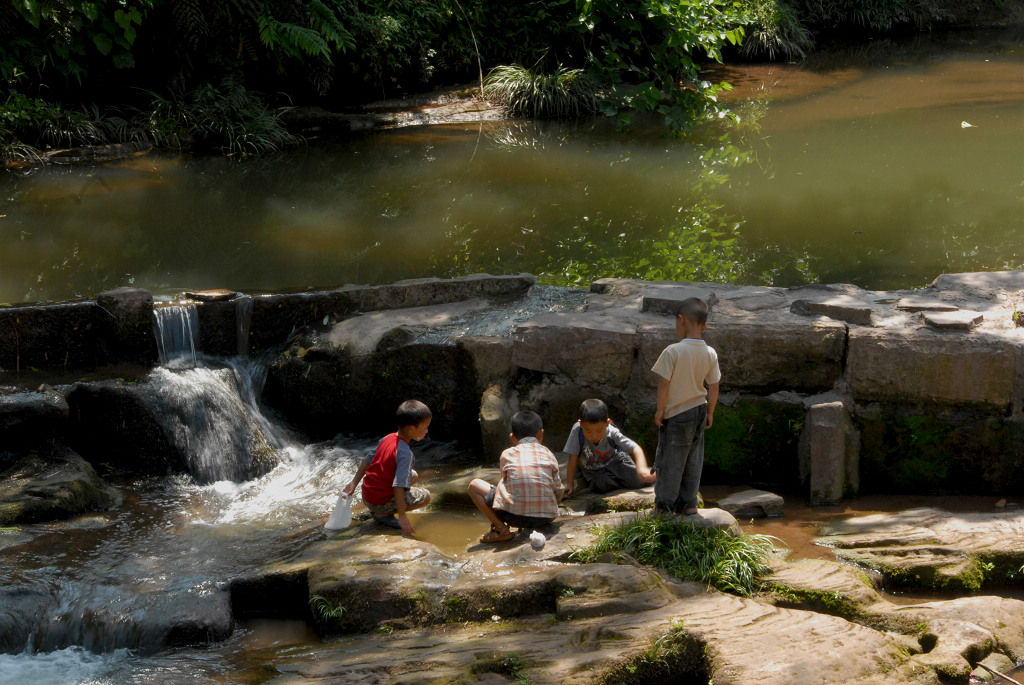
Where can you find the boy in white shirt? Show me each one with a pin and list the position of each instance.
(685, 409)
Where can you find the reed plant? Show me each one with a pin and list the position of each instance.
(774, 30)
(229, 118)
(731, 563)
(524, 92)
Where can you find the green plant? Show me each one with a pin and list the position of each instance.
(674, 657)
(230, 119)
(564, 94)
(326, 612)
(648, 53)
(732, 563)
(385, 629)
(774, 29)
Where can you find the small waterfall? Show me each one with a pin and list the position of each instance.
(177, 330)
(243, 322)
(211, 414)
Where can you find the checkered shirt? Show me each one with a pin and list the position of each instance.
(530, 484)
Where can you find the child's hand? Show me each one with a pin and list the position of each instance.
(711, 418)
(568, 489)
(349, 489)
(647, 476)
(658, 417)
(406, 524)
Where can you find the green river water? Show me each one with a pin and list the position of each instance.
(884, 167)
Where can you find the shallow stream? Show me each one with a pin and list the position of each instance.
(883, 169)
(882, 166)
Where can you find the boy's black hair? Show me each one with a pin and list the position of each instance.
(593, 411)
(694, 309)
(526, 424)
(412, 413)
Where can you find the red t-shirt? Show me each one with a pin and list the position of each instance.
(390, 467)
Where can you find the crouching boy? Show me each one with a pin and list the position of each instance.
(601, 456)
(388, 490)
(528, 492)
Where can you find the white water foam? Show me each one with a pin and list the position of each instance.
(71, 666)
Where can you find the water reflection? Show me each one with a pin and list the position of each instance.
(854, 169)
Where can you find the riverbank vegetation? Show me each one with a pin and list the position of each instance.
(216, 76)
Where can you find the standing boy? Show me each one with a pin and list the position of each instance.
(529, 489)
(388, 488)
(607, 459)
(685, 410)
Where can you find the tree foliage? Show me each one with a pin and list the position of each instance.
(650, 52)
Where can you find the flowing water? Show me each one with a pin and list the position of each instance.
(882, 171)
(882, 167)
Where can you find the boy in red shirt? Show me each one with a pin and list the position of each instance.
(388, 490)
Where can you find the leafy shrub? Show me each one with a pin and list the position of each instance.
(878, 15)
(230, 119)
(731, 563)
(775, 30)
(565, 94)
(649, 52)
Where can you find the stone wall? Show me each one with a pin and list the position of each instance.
(829, 388)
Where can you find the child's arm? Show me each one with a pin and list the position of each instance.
(659, 415)
(712, 401)
(403, 518)
(570, 473)
(350, 488)
(640, 459)
(556, 480)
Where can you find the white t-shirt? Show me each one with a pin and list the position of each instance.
(687, 365)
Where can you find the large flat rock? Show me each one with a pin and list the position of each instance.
(931, 548)
(590, 347)
(918, 365)
(800, 355)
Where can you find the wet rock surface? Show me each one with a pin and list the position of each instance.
(49, 486)
(931, 548)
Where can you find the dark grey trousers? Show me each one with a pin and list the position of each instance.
(618, 474)
(679, 460)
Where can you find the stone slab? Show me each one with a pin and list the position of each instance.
(801, 355)
(590, 348)
(919, 365)
(921, 304)
(752, 504)
(981, 283)
(366, 333)
(839, 307)
(960, 320)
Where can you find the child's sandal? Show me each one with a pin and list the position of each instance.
(495, 535)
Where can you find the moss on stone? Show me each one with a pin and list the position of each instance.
(754, 441)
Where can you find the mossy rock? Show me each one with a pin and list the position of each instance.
(754, 441)
(931, 451)
(52, 487)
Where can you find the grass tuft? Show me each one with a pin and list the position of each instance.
(565, 94)
(731, 563)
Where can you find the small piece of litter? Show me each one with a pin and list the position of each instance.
(964, 124)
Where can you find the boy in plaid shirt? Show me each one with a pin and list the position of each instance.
(530, 488)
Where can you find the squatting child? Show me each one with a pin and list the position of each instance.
(685, 409)
(388, 488)
(528, 492)
(601, 456)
